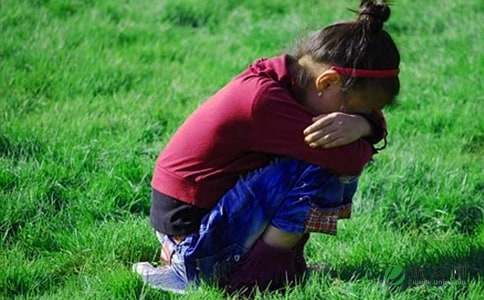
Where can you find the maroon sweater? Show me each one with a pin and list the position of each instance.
(239, 129)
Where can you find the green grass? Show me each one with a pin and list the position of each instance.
(90, 91)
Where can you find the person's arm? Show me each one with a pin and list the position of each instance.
(277, 126)
(336, 129)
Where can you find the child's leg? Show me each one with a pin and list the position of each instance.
(273, 194)
(284, 194)
(266, 266)
(277, 238)
(276, 260)
(316, 212)
(229, 230)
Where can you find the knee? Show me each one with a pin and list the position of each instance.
(281, 239)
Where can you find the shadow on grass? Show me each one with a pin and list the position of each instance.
(446, 268)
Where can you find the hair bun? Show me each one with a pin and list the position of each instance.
(374, 14)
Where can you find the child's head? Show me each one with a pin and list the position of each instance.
(338, 63)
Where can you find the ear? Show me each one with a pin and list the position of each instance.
(327, 78)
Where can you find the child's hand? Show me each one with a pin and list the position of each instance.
(336, 129)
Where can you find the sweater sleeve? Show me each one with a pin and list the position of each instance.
(278, 122)
(378, 127)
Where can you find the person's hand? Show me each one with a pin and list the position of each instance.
(336, 129)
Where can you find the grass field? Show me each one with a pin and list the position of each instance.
(90, 91)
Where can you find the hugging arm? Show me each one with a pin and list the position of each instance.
(277, 126)
(337, 129)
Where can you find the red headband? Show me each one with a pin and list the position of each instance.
(366, 73)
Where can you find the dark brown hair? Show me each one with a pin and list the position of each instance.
(361, 44)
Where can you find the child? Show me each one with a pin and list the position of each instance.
(348, 68)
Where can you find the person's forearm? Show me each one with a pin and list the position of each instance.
(336, 129)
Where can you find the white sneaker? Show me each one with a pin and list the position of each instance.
(162, 278)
